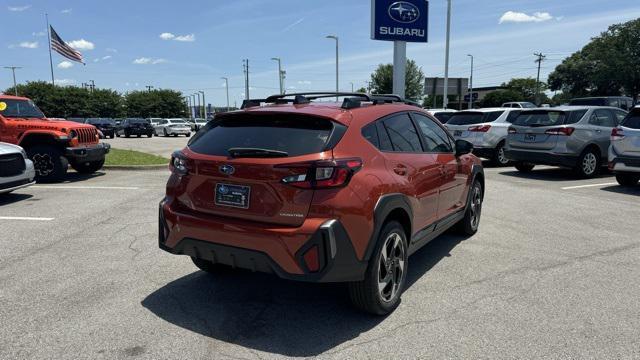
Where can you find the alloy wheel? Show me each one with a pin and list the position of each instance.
(589, 163)
(391, 268)
(476, 206)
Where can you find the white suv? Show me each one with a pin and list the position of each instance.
(624, 152)
(175, 127)
(486, 129)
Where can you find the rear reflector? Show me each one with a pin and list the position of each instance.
(617, 134)
(565, 131)
(480, 128)
(312, 259)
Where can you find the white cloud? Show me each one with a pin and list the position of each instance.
(65, 65)
(111, 50)
(519, 17)
(19, 8)
(66, 11)
(107, 57)
(304, 82)
(148, 61)
(167, 36)
(27, 45)
(81, 44)
(39, 33)
(65, 82)
(183, 38)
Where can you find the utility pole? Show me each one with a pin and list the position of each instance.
(226, 85)
(204, 105)
(445, 101)
(197, 97)
(189, 105)
(245, 67)
(149, 87)
(351, 86)
(280, 82)
(368, 86)
(539, 60)
(13, 70)
(471, 84)
(337, 62)
(192, 114)
(93, 86)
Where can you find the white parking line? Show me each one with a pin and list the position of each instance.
(588, 186)
(25, 218)
(85, 187)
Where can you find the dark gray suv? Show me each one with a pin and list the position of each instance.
(577, 137)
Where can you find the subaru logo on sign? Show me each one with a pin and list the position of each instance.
(223, 190)
(404, 12)
(227, 169)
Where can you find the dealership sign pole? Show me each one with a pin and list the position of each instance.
(400, 22)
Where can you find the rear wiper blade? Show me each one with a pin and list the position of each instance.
(255, 153)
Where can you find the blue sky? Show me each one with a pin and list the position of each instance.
(189, 45)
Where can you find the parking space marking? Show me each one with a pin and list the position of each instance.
(588, 186)
(86, 187)
(25, 218)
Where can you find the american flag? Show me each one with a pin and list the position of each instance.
(63, 48)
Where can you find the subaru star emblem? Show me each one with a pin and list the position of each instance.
(227, 169)
(223, 190)
(404, 12)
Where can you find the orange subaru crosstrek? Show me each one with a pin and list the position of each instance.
(321, 191)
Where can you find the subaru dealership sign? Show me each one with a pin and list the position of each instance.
(393, 20)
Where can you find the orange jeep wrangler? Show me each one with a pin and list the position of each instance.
(52, 145)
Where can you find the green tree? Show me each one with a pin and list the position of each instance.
(382, 80)
(362, 90)
(156, 103)
(608, 65)
(499, 97)
(527, 87)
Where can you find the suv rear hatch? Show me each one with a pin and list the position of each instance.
(241, 159)
(540, 129)
(469, 125)
(626, 141)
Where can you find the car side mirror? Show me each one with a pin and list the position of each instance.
(463, 147)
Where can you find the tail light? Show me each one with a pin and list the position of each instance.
(512, 130)
(322, 174)
(480, 128)
(564, 131)
(617, 134)
(180, 164)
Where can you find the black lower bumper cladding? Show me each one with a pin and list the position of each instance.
(88, 153)
(339, 262)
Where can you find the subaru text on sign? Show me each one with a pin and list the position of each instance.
(399, 20)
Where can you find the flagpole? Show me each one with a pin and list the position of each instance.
(53, 82)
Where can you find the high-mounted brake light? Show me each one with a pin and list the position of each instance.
(322, 174)
(564, 131)
(480, 128)
(617, 134)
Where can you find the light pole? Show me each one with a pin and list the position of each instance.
(193, 112)
(188, 99)
(445, 101)
(204, 105)
(13, 69)
(337, 63)
(279, 74)
(471, 84)
(226, 85)
(351, 86)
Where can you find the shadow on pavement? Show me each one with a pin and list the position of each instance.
(265, 313)
(626, 190)
(10, 198)
(550, 174)
(73, 177)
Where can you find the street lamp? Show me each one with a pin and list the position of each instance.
(445, 100)
(279, 74)
(13, 69)
(351, 87)
(226, 83)
(204, 105)
(471, 84)
(337, 63)
(196, 104)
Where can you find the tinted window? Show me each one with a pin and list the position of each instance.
(20, 108)
(443, 117)
(294, 134)
(403, 135)
(588, 101)
(371, 134)
(513, 115)
(136, 121)
(632, 120)
(528, 105)
(603, 117)
(548, 118)
(435, 138)
(472, 117)
(614, 102)
(383, 137)
(177, 121)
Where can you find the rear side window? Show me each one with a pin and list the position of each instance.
(632, 120)
(291, 133)
(402, 133)
(370, 133)
(435, 138)
(470, 118)
(603, 117)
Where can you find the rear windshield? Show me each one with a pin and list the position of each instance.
(138, 121)
(594, 102)
(443, 117)
(19, 109)
(100, 121)
(470, 118)
(632, 120)
(293, 134)
(548, 118)
(176, 121)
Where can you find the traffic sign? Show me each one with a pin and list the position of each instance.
(393, 20)
(475, 97)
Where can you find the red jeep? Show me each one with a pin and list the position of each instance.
(321, 191)
(52, 145)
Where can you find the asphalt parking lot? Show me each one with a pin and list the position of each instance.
(552, 273)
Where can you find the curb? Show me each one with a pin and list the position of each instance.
(136, 167)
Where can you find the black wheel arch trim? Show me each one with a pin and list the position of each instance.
(386, 204)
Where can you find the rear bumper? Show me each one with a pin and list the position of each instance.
(262, 248)
(542, 158)
(625, 164)
(178, 131)
(88, 153)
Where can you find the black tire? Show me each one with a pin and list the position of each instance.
(175, 135)
(88, 167)
(209, 267)
(164, 131)
(588, 164)
(126, 134)
(471, 221)
(49, 162)
(626, 179)
(524, 167)
(365, 294)
(499, 158)
(112, 136)
(139, 135)
(188, 135)
(150, 134)
(117, 135)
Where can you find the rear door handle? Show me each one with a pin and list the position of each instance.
(400, 170)
(598, 131)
